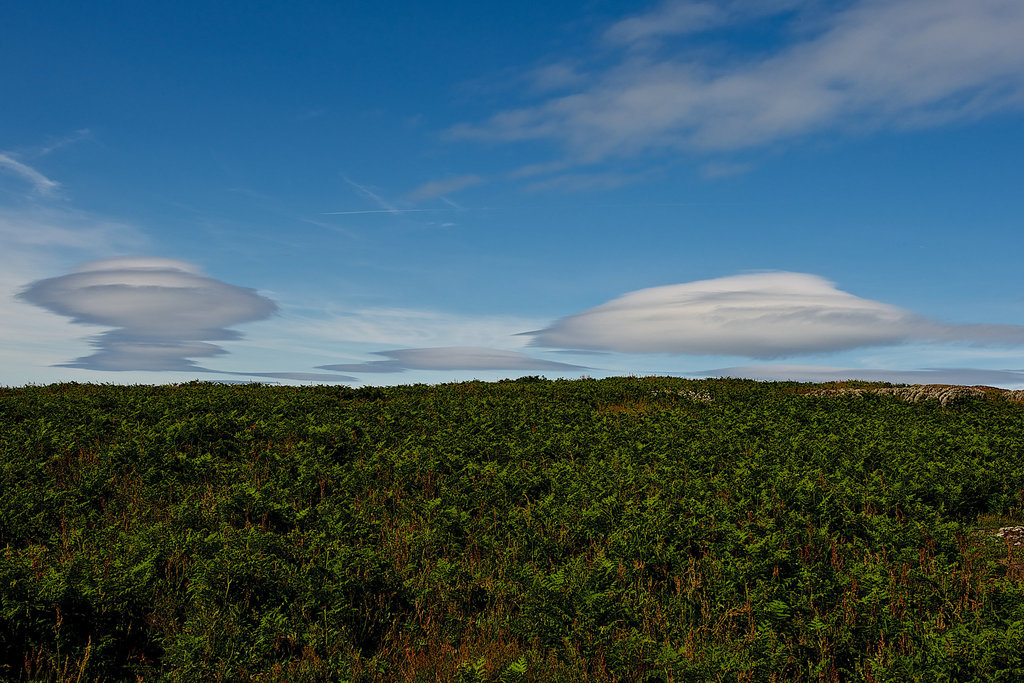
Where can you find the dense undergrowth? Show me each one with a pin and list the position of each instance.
(591, 530)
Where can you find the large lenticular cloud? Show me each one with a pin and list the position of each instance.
(759, 315)
(164, 311)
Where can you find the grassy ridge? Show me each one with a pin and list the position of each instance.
(591, 530)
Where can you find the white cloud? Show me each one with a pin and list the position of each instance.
(874, 64)
(38, 241)
(40, 183)
(806, 373)
(163, 310)
(437, 188)
(43, 323)
(452, 358)
(759, 315)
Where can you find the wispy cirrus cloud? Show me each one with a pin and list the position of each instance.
(668, 19)
(40, 184)
(374, 197)
(724, 169)
(444, 186)
(426, 191)
(870, 64)
(452, 358)
(684, 17)
(28, 232)
(72, 139)
(556, 76)
(582, 182)
(758, 315)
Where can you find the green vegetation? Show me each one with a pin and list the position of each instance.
(596, 530)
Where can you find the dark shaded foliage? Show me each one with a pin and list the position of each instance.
(626, 529)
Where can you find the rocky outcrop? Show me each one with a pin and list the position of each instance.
(692, 395)
(1014, 535)
(945, 395)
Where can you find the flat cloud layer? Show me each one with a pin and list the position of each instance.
(759, 315)
(452, 358)
(297, 376)
(410, 328)
(165, 311)
(871, 64)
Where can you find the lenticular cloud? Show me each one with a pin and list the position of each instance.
(164, 311)
(759, 315)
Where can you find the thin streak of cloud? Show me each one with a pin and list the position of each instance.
(579, 352)
(40, 183)
(388, 207)
(311, 114)
(368, 211)
(297, 376)
(724, 169)
(530, 170)
(76, 137)
(452, 204)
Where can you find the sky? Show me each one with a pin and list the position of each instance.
(388, 193)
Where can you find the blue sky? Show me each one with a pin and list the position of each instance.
(427, 192)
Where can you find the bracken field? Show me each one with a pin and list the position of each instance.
(625, 529)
